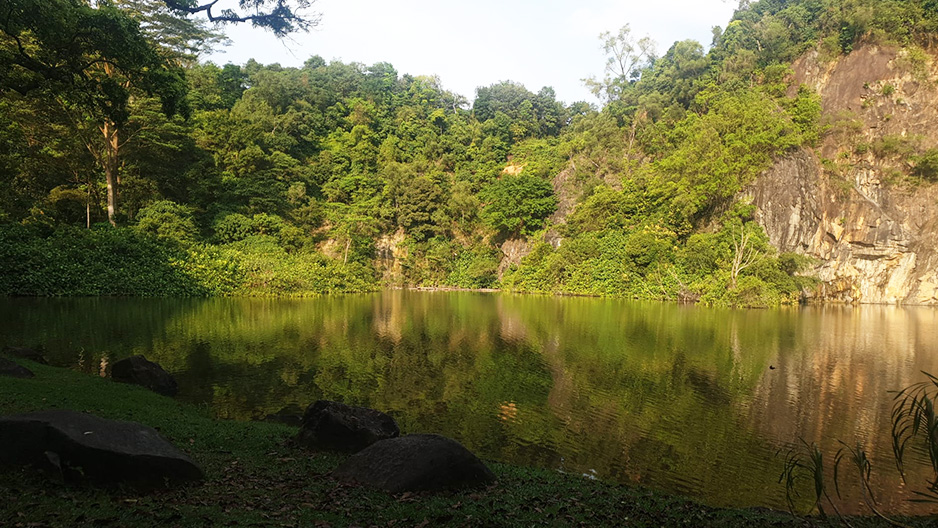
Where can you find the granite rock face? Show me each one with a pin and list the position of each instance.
(84, 446)
(850, 204)
(418, 462)
(867, 251)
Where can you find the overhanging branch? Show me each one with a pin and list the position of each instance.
(283, 16)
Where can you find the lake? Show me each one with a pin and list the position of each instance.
(687, 399)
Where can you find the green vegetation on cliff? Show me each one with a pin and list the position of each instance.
(340, 177)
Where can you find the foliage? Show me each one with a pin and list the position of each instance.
(441, 262)
(281, 17)
(517, 205)
(271, 271)
(709, 158)
(167, 221)
(926, 165)
(98, 261)
(57, 45)
(332, 160)
(161, 259)
(914, 422)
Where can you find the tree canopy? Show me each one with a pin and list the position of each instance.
(278, 179)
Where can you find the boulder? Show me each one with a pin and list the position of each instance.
(9, 368)
(291, 415)
(32, 354)
(139, 371)
(334, 426)
(78, 445)
(418, 462)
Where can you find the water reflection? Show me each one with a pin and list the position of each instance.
(678, 397)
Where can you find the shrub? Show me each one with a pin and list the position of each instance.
(232, 228)
(518, 204)
(926, 165)
(167, 221)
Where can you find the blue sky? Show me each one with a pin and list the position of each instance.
(470, 44)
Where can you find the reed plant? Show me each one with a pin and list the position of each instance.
(914, 425)
(914, 429)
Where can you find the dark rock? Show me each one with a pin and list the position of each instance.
(139, 371)
(419, 462)
(334, 426)
(32, 354)
(290, 415)
(9, 368)
(77, 445)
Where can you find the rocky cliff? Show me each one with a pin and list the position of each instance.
(856, 204)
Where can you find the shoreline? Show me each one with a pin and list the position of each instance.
(255, 476)
(453, 289)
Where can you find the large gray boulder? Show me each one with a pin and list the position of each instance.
(103, 451)
(140, 371)
(334, 426)
(418, 462)
(11, 369)
(32, 354)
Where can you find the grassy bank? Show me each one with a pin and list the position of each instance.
(255, 478)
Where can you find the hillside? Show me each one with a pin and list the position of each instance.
(792, 160)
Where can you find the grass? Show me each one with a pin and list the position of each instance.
(255, 477)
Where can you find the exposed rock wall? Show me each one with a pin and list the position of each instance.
(865, 254)
(875, 241)
(391, 254)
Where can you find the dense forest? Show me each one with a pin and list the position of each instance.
(129, 167)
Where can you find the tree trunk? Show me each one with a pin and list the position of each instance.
(111, 162)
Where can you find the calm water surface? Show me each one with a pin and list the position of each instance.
(680, 398)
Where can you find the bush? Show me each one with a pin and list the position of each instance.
(518, 204)
(474, 268)
(270, 271)
(105, 261)
(926, 165)
(232, 228)
(167, 221)
(237, 227)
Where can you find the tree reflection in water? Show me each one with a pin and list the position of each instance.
(674, 396)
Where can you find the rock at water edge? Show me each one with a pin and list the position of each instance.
(140, 371)
(419, 462)
(11, 369)
(334, 426)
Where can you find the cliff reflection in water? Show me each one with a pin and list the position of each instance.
(677, 397)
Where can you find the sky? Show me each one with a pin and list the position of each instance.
(470, 44)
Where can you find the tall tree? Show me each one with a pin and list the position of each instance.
(91, 58)
(625, 58)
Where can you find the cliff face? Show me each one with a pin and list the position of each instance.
(852, 203)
